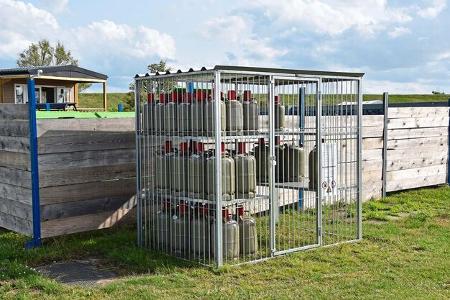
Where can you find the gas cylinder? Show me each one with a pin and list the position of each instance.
(196, 165)
(245, 173)
(163, 167)
(294, 163)
(201, 232)
(248, 238)
(179, 170)
(198, 112)
(163, 225)
(228, 175)
(230, 236)
(148, 117)
(251, 113)
(209, 117)
(179, 229)
(159, 114)
(262, 154)
(313, 168)
(170, 115)
(184, 114)
(235, 114)
(279, 113)
(280, 168)
(262, 161)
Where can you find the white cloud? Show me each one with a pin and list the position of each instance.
(121, 39)
(15, 33)
(432, 11)
(105, 40)
(333, 17)
(235, 34)
(56, 6)
(399, 31)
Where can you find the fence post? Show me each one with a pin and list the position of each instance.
(448, 146)
(35, 196)
(385, 142)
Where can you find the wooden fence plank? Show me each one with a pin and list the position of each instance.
(416, 182)
(55, 126)
(87, 141)
(83, 207)
(15, 160)
(19, 128)
(411, 133)
(415, 143)
(405, 175)
(15, 144)
(16, 208)
(91, 190)
(16, 224)
(15, 177)
(419, 152)
(86, 222)
(66, 176)
(417, 112)
(13, 111)
(86, 159)
(416, 162)
(15, 193)
(418, 122)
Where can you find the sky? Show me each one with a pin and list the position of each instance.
(402, 46)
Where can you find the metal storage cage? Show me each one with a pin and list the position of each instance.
(240, 164)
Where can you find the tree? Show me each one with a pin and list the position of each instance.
(43, 54)
(160, 67)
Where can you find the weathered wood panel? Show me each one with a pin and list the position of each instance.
(15, 177)
(57, 127)
(16, 224)
(15, 193)
(75, 175)
(417, 112)
(438, 121)
(86, 141)
(15, 144)
(17, 128)
(86, 222)
(86, 159)
(14, 112)
(16, 208)
(15, 160)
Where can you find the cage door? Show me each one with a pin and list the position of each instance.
(294, 204)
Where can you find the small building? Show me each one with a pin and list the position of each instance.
(54, 84)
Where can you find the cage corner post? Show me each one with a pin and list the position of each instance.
(36, 240)
(448, 144)
(359, 159)
(138, 162)
(301, 116)
(385, 142)
(218, 169)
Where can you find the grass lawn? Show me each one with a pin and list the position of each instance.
(405, 254)
(94, 100)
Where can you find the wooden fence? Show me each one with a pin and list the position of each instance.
(86, 172)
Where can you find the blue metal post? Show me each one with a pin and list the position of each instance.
(301, 114)
(36, 207)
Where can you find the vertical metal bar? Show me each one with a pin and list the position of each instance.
(218, 183)
(35, 195)
(359, 170)
(319, 162)
(385, 142)
(301, 115)
(137, 106)
(448, 147)
(271, 163)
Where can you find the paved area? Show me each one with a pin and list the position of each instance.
(78, 272)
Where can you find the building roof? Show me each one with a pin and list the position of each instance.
(69, 71)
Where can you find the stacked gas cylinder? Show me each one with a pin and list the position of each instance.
(182, 113)
(189, 230)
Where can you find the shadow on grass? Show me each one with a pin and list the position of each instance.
(114, 248)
